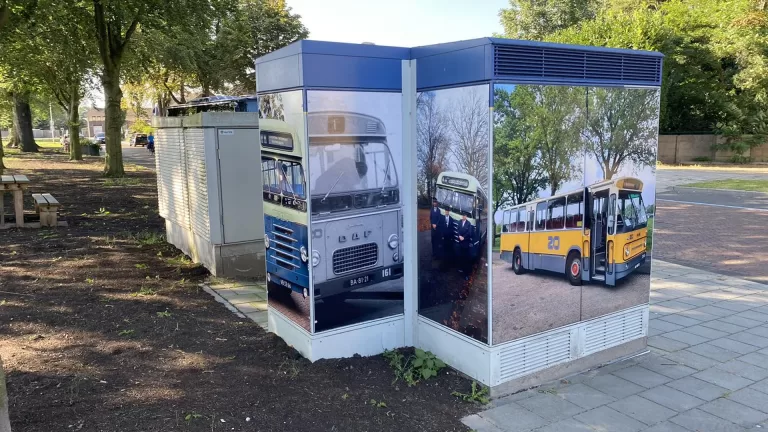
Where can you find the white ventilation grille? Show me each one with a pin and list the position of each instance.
(614, 330)
(533, 354)
(197, 182)
(171, 184)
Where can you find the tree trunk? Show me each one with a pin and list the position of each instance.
(23, 122)
(2, 166)
(114, 118)
(13, 140)
(75, 152)
(5, 423)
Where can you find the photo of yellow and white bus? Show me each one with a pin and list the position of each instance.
(597, 233)
(285, 206)
(462, 194)
(355, 203)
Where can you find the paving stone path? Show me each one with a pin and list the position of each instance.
(707, 369)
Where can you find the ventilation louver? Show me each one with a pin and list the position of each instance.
(555, 63)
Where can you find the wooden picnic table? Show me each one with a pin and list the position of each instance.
(16, 185)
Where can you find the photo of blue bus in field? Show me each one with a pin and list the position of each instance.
(285, 207)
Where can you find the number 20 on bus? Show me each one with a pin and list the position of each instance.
(554, 243)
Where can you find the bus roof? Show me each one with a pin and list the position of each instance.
(623, 183)
(344, 123)
(459, 180)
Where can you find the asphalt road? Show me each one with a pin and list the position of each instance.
(138, 156)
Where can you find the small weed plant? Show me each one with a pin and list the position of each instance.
(102, 212)
(144, 292)
(421, 365)
(192, 416)
(148, 238)
(377, 404)
(141, 266)
(478, 394)
(164, 314)
(125, 332)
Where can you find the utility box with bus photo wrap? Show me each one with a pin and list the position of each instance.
(487, 200)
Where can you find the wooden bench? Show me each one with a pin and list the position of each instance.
(16, 185)
(48, 208)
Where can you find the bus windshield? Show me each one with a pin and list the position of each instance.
(456, 201)
(283, 176)
(347, 168)
(631, 212)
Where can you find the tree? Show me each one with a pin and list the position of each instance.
(15, 79)
(517, 173)
(432, 142)
(554, 114)
(621, 127)
(5, 424)
(716, 52)
(468, 127)
(63, 54)
(536, 19)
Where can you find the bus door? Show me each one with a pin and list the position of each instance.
(529, 229)
(611, 249)
(599, 233)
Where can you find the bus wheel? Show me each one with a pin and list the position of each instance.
(517, 262)
(573, 268)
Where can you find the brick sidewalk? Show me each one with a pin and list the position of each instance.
(707, 369)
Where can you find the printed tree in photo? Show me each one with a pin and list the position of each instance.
(468, 126)
(622, 128)
(555, 115)
(517, 174)
(432, 143)
(271, 106)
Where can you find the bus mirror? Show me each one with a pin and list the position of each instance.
(360, 163)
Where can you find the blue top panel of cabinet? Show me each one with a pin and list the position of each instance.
(315, 64)
(517, 61)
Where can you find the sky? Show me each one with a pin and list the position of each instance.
(406, 23)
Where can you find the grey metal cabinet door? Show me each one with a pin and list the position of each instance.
(240, 182)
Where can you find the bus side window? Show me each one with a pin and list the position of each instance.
(574, 211)
(529, 223)
(521, 219)
(504, 221)
(556, 213)
(541, 216)
(512, 220)
(612, 214)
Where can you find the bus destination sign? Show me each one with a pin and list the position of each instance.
(456, 182)
(282, 141)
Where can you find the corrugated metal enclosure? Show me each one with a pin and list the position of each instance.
(209, 183)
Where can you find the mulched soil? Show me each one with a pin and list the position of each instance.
(104, 328)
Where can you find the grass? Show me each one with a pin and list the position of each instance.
(733, 184)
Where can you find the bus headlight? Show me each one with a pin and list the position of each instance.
(266, 241)
(626, 251)
(393, 241)
(303, 252)
(315, 258)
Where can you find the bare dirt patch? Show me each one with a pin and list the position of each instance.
(103, 328)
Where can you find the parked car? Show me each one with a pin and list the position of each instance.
(139, 140)
(100, 138)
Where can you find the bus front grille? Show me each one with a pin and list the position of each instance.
(284, 246)
(354, 258)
